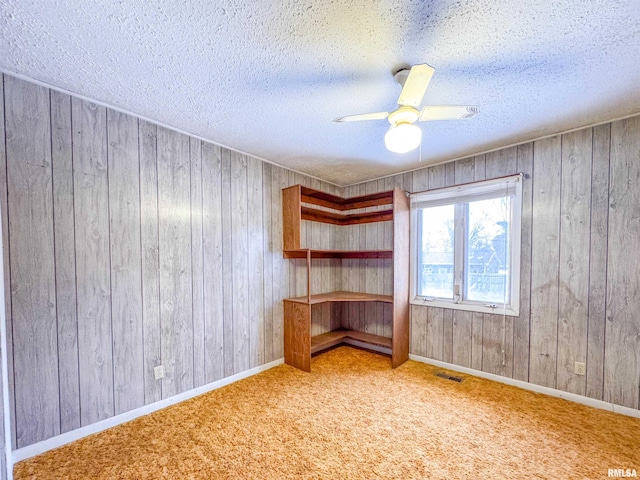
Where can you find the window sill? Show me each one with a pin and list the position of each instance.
(468, 307)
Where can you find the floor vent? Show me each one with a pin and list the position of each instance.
(448, 377)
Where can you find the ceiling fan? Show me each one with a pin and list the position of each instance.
(403, 136)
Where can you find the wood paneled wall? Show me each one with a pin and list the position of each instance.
(580, 273)
(3, 213)
(127, 246)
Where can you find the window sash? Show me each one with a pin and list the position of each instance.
(468, 192)
(460, 196)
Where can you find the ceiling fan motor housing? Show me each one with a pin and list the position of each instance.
(401, 76)
(404, 114)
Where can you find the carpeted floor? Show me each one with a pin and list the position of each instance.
(355, 418)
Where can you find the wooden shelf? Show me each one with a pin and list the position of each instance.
(294, 212)
(301, 203)
(323, 199)
(302, 253)
(326, 340)
(323, 216)
(335, 337)
(342, 296)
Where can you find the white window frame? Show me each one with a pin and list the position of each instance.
(459, 195)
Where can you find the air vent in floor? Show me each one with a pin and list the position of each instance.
(448, 377)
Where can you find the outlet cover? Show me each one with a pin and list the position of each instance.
(581, 368)
(158, 372)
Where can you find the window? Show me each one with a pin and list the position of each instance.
(466, 246)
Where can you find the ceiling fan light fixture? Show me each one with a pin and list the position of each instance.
(403, 138)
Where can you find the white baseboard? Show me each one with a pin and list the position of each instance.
(59, 440)
(572, 397)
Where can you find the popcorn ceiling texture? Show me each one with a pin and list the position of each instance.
(267, 78)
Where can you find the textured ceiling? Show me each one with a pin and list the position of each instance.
(266, 78)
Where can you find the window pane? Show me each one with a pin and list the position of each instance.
(487, 253)
(435, 262)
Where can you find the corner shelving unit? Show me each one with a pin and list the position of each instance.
(298, 204)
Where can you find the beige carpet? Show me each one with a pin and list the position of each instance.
(354, 417)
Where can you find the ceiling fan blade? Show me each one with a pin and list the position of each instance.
(447, 112)
(415, 85)
(364, 116)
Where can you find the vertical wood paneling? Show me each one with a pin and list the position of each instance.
(545, 250)
(3, 411)
(322, 236)
(5, 247)
(462, 323)
(93, 270)
(622, 354)
(197, 265)
(521, 325)
(134, 238)
(269, 254)
(357, 312)
(464, 170)
(33, 302)
(598, 260)
(497, 330)
(65, 258)
(255, 259)
(91, 187)
(151, 328)
(239, 251)
(212, 262)
(7, 274)
(350, 273)
(280, 265)
(447, 335)
(371, 238)
(227, 261)
(174, 200)
(434, 333)
(361, 307)
(418, 330)
(573, 302)
(407, 181)
(335, 272)
(6, 258)
(384, 322)
(126, 281)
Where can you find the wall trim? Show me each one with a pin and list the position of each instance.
(68, 437)
(553, 392)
